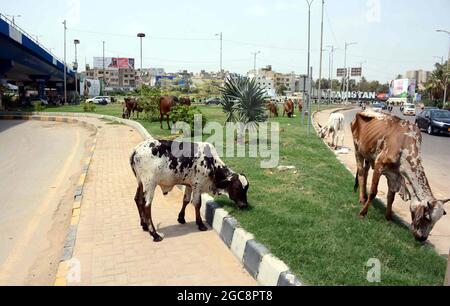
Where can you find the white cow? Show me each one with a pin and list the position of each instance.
(197, 166)
(335, 128)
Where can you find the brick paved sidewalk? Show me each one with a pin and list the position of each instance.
(440, 236)
(112, 248)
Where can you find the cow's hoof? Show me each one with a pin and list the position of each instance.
(181, 220)
(202, 228)
(362, 216)
(389, 218)
(157, 238)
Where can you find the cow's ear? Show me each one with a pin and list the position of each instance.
(445, 201)
(319, 125)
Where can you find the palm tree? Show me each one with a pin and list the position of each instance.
(436, 82)
(243, 100)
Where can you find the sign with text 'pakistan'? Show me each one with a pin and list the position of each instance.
(352, 95)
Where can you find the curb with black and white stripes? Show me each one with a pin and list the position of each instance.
(265, 268)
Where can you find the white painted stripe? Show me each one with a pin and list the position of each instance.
(270, 270)
(205, 199)
(240, 239)
(219, 215)
(15, 34)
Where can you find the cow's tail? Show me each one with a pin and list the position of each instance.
(356, 182)
(133, 162)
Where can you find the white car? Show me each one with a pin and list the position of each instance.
(409, 110)
(100, 100)
(377, 107)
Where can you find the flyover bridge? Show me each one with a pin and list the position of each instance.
(25, 62)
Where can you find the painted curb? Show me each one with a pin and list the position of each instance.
(265, 268)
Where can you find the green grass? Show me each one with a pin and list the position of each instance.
(310, 219)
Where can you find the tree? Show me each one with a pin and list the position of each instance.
(243, 100)
(436, 83)
(281, 89)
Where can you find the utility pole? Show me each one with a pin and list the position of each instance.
(448, 70)
(220, 35)
(104, 65)
(76, 42)
(254, 60)
(441, 58)
(321, 58)
(347, 76)
(65, 63)
(308, 97)
(13, 17)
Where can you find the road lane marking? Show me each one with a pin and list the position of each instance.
(7, 267)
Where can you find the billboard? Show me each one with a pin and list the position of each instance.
(356, 72)
(403, 88)
(114, 63)
(91, 88)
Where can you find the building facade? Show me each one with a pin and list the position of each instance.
(420, 76)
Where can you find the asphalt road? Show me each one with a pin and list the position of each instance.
(39, 166)
(435, 155)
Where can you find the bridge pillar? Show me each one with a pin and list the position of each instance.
(41, 89)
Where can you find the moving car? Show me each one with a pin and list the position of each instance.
(434, 121)
(102, 100)
(409, 110)
(377, 107)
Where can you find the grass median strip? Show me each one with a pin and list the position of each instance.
(309, 217)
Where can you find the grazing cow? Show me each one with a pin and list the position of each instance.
(335, 128)
(300, 106)
(196, 166)
(165, 106)
(185, 101)
(273, 109)
(131, 107)
(289, 108)
(391, 146)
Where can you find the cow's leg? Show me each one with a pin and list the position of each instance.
(373, 191)
(149, 194)
(161, 118)
(139, 199)
(198, 205)
(186, 200)
(363, 173)
(168, 121)
(390, 202)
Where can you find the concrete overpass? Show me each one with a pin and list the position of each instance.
(24, 62)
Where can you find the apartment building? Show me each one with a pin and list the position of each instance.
(420, 76)
(123, 77)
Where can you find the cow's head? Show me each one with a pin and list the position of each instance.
(323, 131)
(235, 185)
(424, 216)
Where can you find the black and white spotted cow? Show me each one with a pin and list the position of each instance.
(196, 166)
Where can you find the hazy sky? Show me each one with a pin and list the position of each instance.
(393, 35)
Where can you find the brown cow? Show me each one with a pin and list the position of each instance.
(391, 146)
(289, 108)
(131, 107)
(273, 109)
(166, 104)
(300, 106)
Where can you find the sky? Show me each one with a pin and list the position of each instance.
(392, 36)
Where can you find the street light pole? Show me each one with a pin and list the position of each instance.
(141, 36)
(321, 58)
(254, 60)
(448, 69)
(220, 35)
(76, 42)
(347, 74)
(65, 64)
(308, 98)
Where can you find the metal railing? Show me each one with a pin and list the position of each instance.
(23, 32)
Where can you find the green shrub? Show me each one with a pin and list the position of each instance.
(38, 106)
(184, 113)
(89, 107)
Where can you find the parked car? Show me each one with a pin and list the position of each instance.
(101, 100)
(213, 101)
(384, 105)
(434, 121)
(409, 110)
